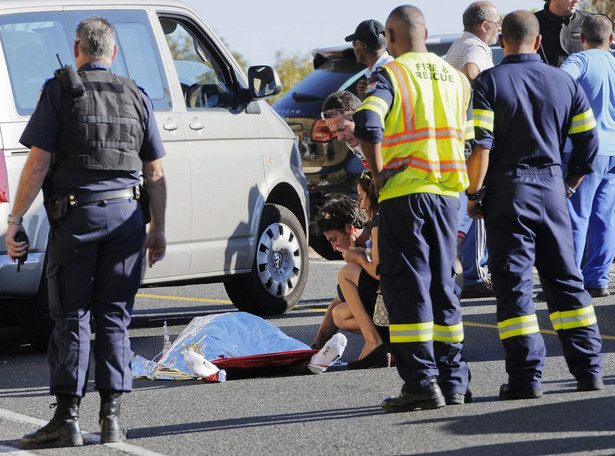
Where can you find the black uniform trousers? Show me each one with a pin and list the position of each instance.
(94, 270)
(527, 223)
(417, 238)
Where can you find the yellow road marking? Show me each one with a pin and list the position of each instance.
(324, 309)
(543, 331)
(181, 298)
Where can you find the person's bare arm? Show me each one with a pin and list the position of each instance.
(471, 70)
(155, 243)
(478, 162)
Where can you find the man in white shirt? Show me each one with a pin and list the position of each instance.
(471, 54)
(369, 43)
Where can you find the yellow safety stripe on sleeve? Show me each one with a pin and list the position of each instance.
(469, 132)
(450, 334)
(377, 105)
(518, 326)
(573, 318)
(483, 119)
(582, 122)
(418, 332)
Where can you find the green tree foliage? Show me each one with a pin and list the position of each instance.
(291, 68)
(600, 6)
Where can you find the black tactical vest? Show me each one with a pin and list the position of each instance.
(101, 121)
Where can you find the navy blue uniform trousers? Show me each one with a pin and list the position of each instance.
(417, 239)
(94, 270)
(527, 223)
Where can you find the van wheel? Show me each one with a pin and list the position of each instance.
(280, 268)
(35, 317)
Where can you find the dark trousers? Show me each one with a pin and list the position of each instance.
(94, 270)
(417, 246)
(528, 223)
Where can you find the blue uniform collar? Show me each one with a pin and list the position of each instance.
(517, 58)
(94, 66)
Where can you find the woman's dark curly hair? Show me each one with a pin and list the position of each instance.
(337, 212)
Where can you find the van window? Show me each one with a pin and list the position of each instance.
(137, 56)
(204, 76)
(136, 51)
(30, 43)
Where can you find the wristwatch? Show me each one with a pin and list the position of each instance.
(476, 196)
(14, 220)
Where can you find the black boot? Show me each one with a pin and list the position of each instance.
(111, 427)
(63, 429)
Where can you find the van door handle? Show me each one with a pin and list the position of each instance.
(196, 124)
(170, 125)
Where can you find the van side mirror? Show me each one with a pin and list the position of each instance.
(263, 81)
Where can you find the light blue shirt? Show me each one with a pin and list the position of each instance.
(594, 69)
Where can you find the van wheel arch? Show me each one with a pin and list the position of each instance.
(280, 268)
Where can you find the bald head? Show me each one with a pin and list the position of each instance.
(405, 30)
(520, 32)
(597, 31)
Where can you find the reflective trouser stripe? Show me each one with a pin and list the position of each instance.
(518, 326)
(451, 334)
(418, 332)
(573, 318)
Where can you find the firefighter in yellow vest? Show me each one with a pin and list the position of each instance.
(413, 125)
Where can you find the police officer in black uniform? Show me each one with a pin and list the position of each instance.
(523, 112)
(560, 26)
(91, 136)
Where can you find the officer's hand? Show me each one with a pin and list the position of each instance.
(385, 174)
(362, 87)
(15, 249)
(475, 210)
(155, 246)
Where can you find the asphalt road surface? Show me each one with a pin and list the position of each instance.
(336, 412)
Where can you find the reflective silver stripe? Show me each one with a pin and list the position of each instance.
(573, 318)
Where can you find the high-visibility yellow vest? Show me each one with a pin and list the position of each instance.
(426, 126)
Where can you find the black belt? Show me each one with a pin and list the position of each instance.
(80, 199)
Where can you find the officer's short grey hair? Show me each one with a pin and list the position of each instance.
(476, 13)
(96, 37)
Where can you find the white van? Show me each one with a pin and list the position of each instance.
(237, 200)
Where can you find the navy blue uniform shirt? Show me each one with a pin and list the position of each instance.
(42, 132)
(368, 125)
(533, 106)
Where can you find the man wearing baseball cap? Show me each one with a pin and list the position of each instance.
(368, 42)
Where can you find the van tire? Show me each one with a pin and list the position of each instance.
(279, 274)
(35, 317)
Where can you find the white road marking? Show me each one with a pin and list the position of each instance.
(88, 437)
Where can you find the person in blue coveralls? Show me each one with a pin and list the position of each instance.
(523, 112)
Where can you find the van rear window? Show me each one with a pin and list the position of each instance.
(30, 43)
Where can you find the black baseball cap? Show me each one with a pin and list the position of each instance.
(368, 31)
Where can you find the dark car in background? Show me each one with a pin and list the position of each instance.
(329, 166)
(331, 169)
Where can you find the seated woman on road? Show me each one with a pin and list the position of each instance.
(345, 225)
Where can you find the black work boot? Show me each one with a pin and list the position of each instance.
(111, 427)
(62, 431)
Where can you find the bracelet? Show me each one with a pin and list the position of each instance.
(11, 220)
(570, 189)
(476, 196)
